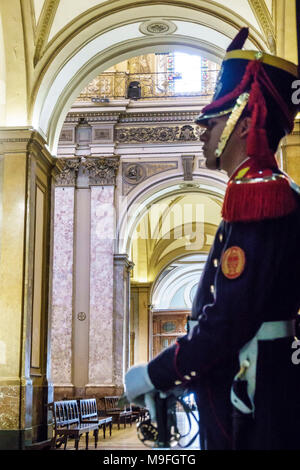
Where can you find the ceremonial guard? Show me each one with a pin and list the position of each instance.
(237, 357)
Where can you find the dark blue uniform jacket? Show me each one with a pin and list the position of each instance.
(229, 313)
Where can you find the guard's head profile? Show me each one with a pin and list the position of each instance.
(257, 85)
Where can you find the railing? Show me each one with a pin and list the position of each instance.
(111, 85)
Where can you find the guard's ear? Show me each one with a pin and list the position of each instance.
(244, 127)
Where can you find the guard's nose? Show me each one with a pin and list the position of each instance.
(204, 136)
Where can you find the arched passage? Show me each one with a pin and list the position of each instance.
(68, 63)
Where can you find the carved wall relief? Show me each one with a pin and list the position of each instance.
(134, 173)
(156, 134)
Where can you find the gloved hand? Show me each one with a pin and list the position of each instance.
(138, 388)
(137, 382)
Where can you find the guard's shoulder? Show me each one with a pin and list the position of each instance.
(260, 195)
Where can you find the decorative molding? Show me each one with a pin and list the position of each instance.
(157, 27)
(265, 21)
(188, 164)
(138, 117)
(101, 171)
(66, 170)
(170, 116)
(202, 162)
(44, 26)
(67, 135)
(134, 173)
(93, 116)
(184, 133)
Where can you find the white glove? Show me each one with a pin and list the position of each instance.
(137, 382)
(150, 405)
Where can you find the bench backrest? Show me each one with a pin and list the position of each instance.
(111, 404)
(66, 413)
(88, 408)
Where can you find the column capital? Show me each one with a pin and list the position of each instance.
(101, 171)
(122, 259)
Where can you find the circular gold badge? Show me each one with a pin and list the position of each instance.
(233, 262)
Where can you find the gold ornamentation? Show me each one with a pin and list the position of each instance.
(266, 59)
(259, 55)
(233, 262)
(239, 106)
(264, 19)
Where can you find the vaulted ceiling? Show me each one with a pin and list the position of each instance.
(51, 49)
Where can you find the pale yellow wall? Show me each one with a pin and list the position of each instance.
(143, 335)
(15, 65)
(11, 262)
(286, 33)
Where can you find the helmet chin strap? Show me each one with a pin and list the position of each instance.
(234, 116)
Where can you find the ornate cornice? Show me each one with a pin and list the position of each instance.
(264, 19)
(138, 117)
(101, 171)
(157, 134)
(93, 116)
(44, 27)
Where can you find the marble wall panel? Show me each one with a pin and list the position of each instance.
(9, 407)
(101, 286)
(62, 291)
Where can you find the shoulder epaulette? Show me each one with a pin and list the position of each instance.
(261, 195)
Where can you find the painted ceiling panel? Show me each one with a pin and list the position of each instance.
(38, 5)
(68, 10)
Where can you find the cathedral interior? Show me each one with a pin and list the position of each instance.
(107, 211)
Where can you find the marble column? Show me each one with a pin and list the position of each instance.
(121, 290)
(84, 364)
(62, 278)
(101, 374)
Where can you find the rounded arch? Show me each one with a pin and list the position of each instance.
(111, 57)
(103, 36)
(133, 209)
(168, 281)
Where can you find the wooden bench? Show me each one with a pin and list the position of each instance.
(89, 414)
(139, 413)
(67, 424)
(117, 414)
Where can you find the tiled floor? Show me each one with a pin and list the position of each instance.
(126, 439)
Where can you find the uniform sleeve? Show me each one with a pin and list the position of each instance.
(237, 309)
